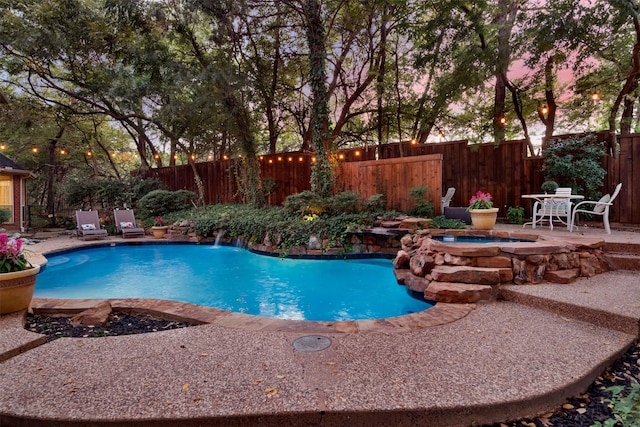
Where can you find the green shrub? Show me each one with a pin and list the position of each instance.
(441, 222)
(341, 203)
(421, 206)
(304, 203)
(515, 215)
(162, 202)
(549, 186)
(375, 203)
(5, 215)
(575, 162)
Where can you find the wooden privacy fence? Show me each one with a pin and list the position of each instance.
(504, 171)
(394, 178)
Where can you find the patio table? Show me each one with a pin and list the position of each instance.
(542, 198)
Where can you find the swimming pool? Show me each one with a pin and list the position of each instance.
(450, 238)
(231, 279)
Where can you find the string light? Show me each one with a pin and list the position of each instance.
(341, 156)
(34, 150)
(414, 141)
(357, 153)
(3, 147)
(63, 151)
(595, 96)
(89, 153)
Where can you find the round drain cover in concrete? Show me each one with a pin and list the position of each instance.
(311, 343)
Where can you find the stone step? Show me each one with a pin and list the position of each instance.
(625, 261)
(622, 248)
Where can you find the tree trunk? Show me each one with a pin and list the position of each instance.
(51, 203)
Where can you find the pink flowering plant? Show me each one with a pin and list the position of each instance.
(480, 201)
(158, 221)
(12, 256)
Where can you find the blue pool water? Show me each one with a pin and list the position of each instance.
(449, 238)
(231, 279)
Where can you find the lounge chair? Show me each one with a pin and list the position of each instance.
(126, 223)
(88, 225)
(601, 207)
(446, 200)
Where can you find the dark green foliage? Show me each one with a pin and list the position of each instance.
(5, 214)
(625, 402)
(254, 225)
(515, 215)
(441, 222)
(162, 202)
(141, 187)
(576, 163)
(304, 203)
(375, 203)
(107, 193)
(421, 206)
(343, 203)
(549, 186)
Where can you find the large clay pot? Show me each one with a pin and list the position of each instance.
(16, 289)
(159, 232)
(483, 219)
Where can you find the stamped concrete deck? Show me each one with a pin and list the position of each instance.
(504, 360)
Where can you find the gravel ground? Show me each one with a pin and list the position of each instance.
(579, 411)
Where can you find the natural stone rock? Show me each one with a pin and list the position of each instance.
(506, 275)
(415, 283)
(562, 276)
(421, 265)
(390, 224)
(466, 250)
(94, 316)
(535, 259)
(588, 266)
(479, 275)
(536, 273)
(439, 259)
(401, 260)
(459, 293)
(314, 243)
(415, 223)
(401, 275)
(558, 262)
(493, 262)
(456, 260)
(519, 271)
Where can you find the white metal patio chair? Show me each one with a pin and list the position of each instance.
(555, 208)
(601, 207)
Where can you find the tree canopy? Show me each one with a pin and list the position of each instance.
(141, 84)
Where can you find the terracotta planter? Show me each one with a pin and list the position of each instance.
(16, 289)
(159, 232)
(483, 219)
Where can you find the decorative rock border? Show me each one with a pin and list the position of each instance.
(473, 272)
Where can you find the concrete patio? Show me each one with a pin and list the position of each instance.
(491, 362)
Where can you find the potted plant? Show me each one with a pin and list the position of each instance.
(158, 228)
(549, 187)
(483, 214)
(17, 276)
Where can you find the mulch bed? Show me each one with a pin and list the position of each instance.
(579, 411)
(118, 324)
